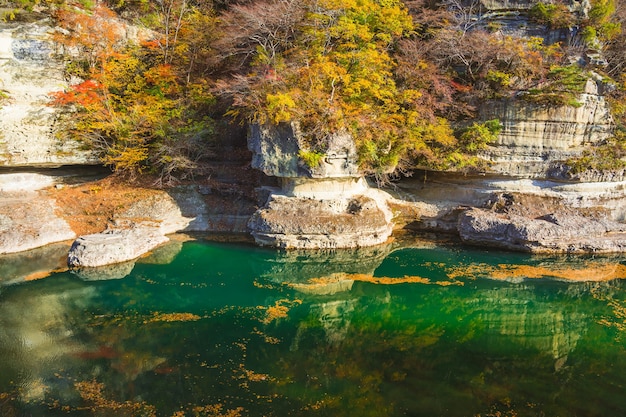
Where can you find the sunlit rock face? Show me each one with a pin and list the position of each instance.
(34, 224)
(275, 152)
(534, 137)
(325, 206)
(29, 72)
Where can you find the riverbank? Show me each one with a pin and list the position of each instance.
(123, 221)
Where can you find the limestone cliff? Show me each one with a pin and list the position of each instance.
(536, 137)
(29, 71)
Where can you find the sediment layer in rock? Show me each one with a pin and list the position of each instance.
(292, 222)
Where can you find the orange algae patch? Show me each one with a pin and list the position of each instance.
(171, 317)
(92, 392)
(42, 274)
(590, 272)
(279, 310)
(407, 279)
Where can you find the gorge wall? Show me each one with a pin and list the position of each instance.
(29, 72)
(535, 138)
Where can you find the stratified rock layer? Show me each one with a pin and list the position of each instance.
(28, 74)
(292, 222)
(534, 138)
(326, 206)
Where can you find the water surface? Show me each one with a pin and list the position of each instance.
(221, 329)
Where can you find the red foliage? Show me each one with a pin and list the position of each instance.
(84, 94)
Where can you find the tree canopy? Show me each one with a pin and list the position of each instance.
(403, 78)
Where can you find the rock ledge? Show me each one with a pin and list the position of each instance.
(556, 232)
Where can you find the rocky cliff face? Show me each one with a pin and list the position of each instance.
(28, 73)
(535, 137)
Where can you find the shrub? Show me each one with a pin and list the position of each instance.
(553, 15)
(311, 159)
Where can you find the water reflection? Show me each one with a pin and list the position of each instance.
(33, 264)
(340, 333)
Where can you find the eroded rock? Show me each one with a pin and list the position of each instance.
(570, 232)
(114, 245)
(294, 222)
(275, 151)
(326, 206)
(28, 222)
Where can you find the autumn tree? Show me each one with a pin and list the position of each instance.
(333, 66)
(137, 110)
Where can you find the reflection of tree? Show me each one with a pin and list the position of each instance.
(35, 332)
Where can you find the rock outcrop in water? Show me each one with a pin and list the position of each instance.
(328, 205)
(114, 246)
(555, 232)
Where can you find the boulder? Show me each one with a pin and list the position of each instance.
(275, 150)
(567, 233)
(114, 245)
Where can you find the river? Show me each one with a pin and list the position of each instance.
(209, 328)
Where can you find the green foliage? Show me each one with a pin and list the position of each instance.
(589, 35)
(563, 86)
(311, 159)
(553, 15)
(477, 136)
(608, 156)
(601, 19)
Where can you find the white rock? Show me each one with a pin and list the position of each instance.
(114, 246)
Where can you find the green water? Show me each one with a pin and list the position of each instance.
(224, 329)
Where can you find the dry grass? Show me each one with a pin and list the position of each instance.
(90, 207)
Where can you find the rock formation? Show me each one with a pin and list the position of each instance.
(27, 222)
(29, 72)
(534, 138)
(115, 245)
(325, 206)
(550, 233)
